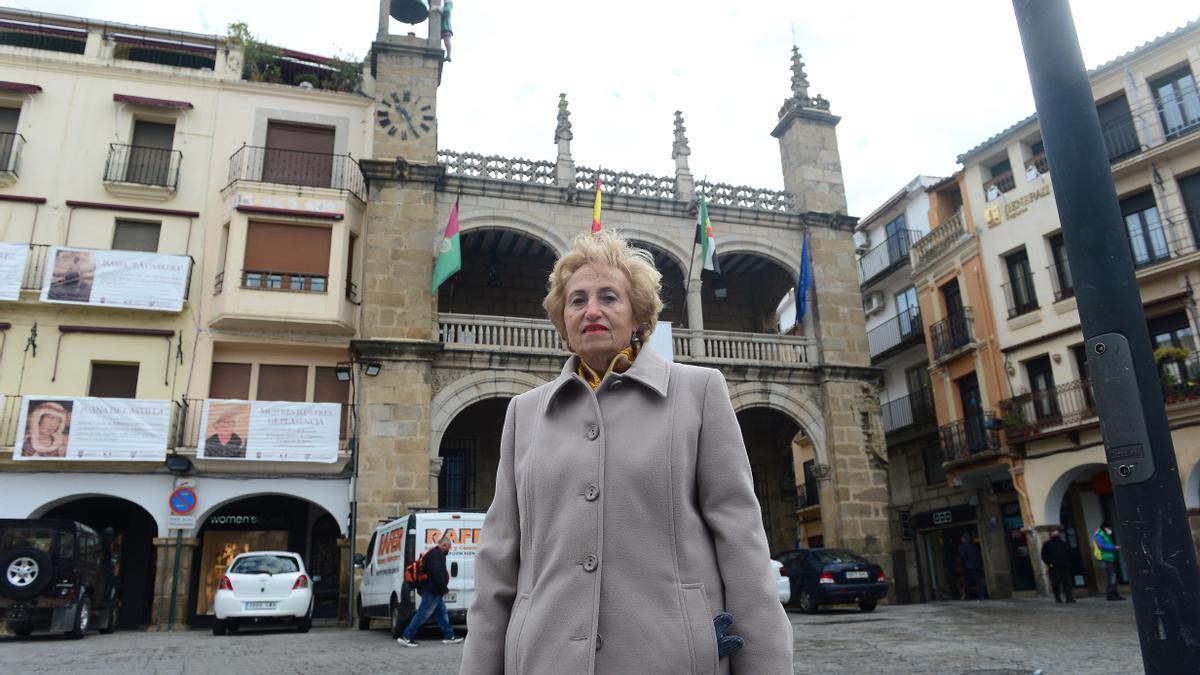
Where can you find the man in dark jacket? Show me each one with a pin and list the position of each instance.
(972, 564)
(432, 592)
(1056, 553)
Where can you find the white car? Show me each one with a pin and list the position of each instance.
(782, 582)
(263, 586)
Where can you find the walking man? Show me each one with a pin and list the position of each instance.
(972, 564)
(432, 591)
(1056, 553)
(1106, 551)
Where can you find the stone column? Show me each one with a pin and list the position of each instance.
(994, 546)
(164, 573)
(346, 580)
(695, 313)
(1036, 536)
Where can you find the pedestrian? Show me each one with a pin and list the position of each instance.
(447, 30)
(1106, 550)
(432, 591)
(624, 536)
(972, 564)
(1056, 553)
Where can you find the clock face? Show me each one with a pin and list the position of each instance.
(404, 114)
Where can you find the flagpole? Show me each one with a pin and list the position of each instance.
(687, 283)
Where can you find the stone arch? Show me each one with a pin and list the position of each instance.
(1051, 505)
(784, 399)
(463, 392)
(528, 226)
(46, 507)
(331, 498)
(669, 246)
(788, 260)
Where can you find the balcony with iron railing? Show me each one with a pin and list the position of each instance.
(11, 145)
(139, 171)
(892, 254)
(952, 333)
(1061, 281)
(1020, 295)
(968, 437)
(900, 331)
(301, 301)
(805, 497)
(1035, 413)
(1038, 162)
(909, 412)
(186, 434)
(255, 164)
(1172, 234)
(10, 415)
(1151, 124)
(1003, 182)
(519, 335)
(940, 239)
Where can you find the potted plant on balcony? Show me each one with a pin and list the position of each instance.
(1172, 367)
(260, 61)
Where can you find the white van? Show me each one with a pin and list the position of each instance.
(383, 593)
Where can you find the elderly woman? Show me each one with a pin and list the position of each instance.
(624, 520)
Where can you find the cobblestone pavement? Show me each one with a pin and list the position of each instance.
(993, 637)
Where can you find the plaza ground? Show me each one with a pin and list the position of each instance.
(997, 636)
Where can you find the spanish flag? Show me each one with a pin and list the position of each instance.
(596, 207)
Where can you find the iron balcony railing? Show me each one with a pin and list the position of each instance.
(1060, 279)
(952, 333)
(1002, 182)
(35, 267)
(1180, 378)
(157, 167)
(1020, 295)
(8, 420)
(968, 437)
(1177, 115)
(1035, 412)
(297, 167)
(270, 280)
(892, 253)
(927, 249)
(806, 497)
(1168, 235)
(10, 152)
(1038, 162)
(899, 331)
(913, 410)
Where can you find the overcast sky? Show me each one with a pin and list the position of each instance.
(915, 83)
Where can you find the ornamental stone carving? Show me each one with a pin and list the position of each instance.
(680, 147)
(563, 131)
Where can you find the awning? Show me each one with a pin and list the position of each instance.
(153, 102)
(20, 86)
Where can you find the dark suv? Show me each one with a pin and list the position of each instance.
(56, 575)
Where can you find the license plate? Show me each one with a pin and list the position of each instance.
(451, 597)
(857, 575)
(260, 604)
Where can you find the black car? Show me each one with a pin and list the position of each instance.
(56, 576)
(833, 576)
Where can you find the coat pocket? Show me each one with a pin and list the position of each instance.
(700, 626)
(512, 637)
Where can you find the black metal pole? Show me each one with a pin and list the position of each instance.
(1153, 527)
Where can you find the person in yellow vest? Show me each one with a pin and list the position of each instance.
(1106, 550)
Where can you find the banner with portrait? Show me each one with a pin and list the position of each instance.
(276, 431)
(12, 269)
(128, 279)
(89, 428)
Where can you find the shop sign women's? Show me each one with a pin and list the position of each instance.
(128, 279)
(12, 269)
(88, 428)
(270, 431)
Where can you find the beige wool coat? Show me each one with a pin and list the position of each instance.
(624, 520)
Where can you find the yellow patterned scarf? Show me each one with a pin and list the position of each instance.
(620, 363)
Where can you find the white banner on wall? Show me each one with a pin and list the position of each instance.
(130, 279)
(12, 269)
(277, 431)
(88, 428)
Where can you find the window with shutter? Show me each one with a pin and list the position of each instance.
(327, 389)
(230, 380)
(281, 257)
(134, 235)
(282, 383)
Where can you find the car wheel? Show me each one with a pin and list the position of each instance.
(395, 619)
(807, 603)
(867, 605)
(24, 572)
(219, 626)
(110, 621)
(305, 623)
(364, 621)
(22, 631)
(83, 617)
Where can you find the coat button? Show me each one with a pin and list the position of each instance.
(616, 384)
(599, 641)
(590, 563)
(591, 493)
(593, 432)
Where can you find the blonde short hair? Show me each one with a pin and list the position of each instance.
(608, 249)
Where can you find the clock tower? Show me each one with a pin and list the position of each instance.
(393, 470)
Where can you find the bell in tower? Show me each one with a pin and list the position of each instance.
(409, 11)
